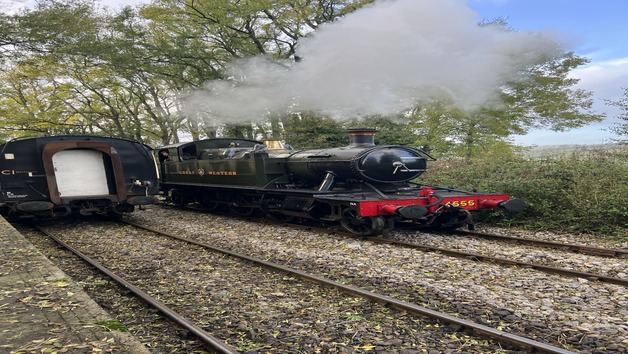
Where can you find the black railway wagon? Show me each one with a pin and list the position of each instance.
(57, 176)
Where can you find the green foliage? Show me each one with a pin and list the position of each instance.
(443, 129)
(310, 131)
(542, 96)
(77, 69)
(33, 101)
(84, 72)
(125, 74)
(621, 128)
(581, 191)
(545, 97)
(238, 29)
(113, 325)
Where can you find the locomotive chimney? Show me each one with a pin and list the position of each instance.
(361, 137)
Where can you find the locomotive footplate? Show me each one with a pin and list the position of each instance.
(424, 201)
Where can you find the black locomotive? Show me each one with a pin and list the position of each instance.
(51, 177)
(366, 187)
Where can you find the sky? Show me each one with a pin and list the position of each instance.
(594, 29)
(598, 29)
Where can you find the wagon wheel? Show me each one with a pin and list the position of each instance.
(277, 216)
(366, 226)
(236, 208)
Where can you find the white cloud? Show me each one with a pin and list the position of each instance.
(605, 78)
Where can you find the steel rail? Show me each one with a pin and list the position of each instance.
(504, 261)
(479, 329)
(202, 335)
(485, 258)
(479, 257)
(590, 250)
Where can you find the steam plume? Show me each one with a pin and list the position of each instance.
(381, 60)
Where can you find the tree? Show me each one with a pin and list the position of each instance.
(546, 97)
(621, 128)
(33, 101)
(112, 73)
(128, 73)
(226, 30)
(543, 97)
(239, 29)
(308, 130)
(125, 74)
(8, 36)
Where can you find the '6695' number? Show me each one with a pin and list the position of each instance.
(461, 203)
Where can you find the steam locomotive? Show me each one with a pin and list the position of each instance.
(365, 187)
(52, 177)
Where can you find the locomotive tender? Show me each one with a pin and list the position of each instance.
(366, 187)
(50, 177)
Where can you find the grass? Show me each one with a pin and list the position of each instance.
(113, 325)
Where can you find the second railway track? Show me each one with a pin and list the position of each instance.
(579, 248)
(618, 274)
(505, 261)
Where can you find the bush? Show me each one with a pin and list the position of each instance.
(580, 191)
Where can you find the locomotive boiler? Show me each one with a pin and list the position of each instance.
(362, 161)
(50, 177)
(368, 188)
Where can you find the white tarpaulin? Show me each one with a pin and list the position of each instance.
(80, 173)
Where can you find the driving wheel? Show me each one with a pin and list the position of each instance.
(365, 226)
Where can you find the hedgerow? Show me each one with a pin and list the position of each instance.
(585, 191)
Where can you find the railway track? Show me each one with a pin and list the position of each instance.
(504, 261)
(207, 339)
(583, 249)
(577, 248)
(478, 329)
(587, 250)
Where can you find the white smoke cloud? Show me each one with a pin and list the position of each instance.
(380, 60)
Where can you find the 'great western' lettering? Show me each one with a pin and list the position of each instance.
(211, 173)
